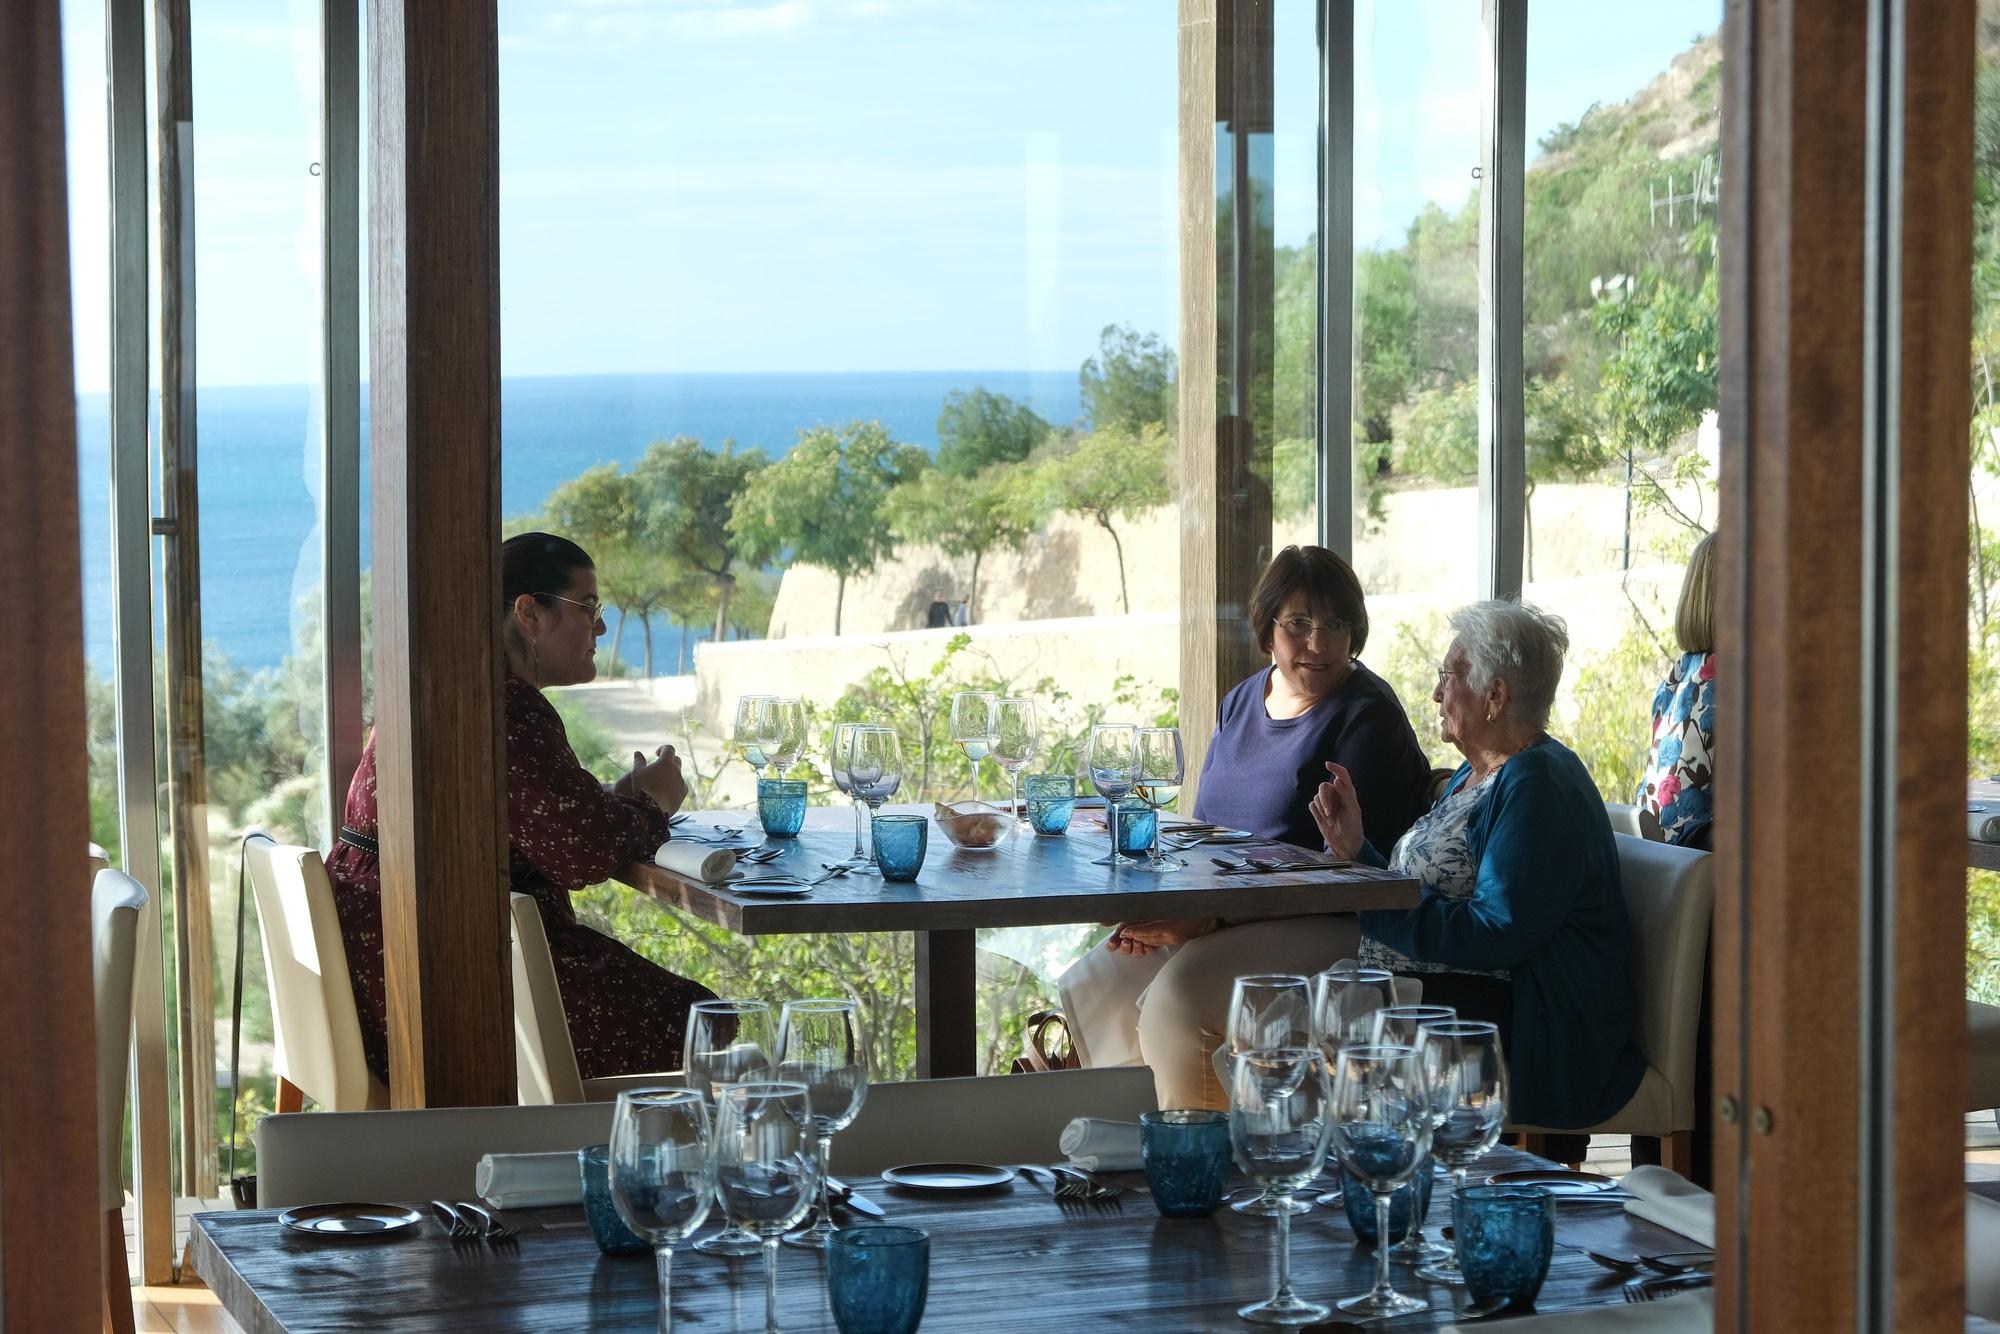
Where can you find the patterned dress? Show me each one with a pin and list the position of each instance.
(626, 1015)
(1680, 765)
(1436, 853)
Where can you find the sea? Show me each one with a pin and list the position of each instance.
(259, 453)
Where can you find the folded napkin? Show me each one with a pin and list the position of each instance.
(1692, 1312)
(1097, 1145)
(529, 1180)
(709, 865)
(1982, 821)
(1982, 1256)
(1672, 1201)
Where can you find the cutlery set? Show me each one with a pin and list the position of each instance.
(465, 1222)
(1257, 865)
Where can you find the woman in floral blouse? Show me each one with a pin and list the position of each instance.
(626, 1015)
(1680, 765)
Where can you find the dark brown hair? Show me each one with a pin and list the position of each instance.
(1328, 582)
(539, 563)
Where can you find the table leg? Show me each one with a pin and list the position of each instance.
(947, 1021)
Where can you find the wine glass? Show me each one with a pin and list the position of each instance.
(874, 768)
(1278, 1101)
(661, 1172)
(839, 751)
(819, 1046)
(727, 1042)
(743, 736)
(973, 727)
(1017, 734)
(781, 733)
(1344, 999)
(766, 1167)
(1399, 1026)
(1161, 768)
(1382, 1129)
(1466, 1074)
(1269, 1011)
(1113, 758)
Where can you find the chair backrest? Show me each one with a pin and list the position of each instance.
(1670, 902)
(543, 1054)
(312, 1000)
(1637, 821)
(421, 1155)
(115, 902)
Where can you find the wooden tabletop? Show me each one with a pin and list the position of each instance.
(1006, 1260)
(1026, 881)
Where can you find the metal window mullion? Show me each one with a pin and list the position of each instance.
(1503, 467)
(1334, 465)
(340, 523)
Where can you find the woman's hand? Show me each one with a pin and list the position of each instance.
(659, 779)
(1139, 939)
(1337, 811)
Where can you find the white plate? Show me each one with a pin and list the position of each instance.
(948, 1176)
(350, 1220)
(1558, 1181)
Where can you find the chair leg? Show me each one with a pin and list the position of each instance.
(117, 1278)
(291, 1098)
(1535, 1144)
(1677, 1153)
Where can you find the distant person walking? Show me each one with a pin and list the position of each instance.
(962, 613)
(938, 617)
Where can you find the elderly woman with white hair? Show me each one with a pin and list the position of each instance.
(1522, 919)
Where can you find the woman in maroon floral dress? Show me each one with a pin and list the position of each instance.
(626, 1015)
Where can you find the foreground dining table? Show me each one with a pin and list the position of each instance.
(1003, 1260)
(1026, 881)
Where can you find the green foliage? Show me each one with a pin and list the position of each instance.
(1982, 936)
(1130, 384)
(977, 429)
(1661, 378)
(1113, 474)
(604, 512)
(998, 509)
(685, 495)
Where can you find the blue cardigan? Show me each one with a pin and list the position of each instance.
(1549, 909)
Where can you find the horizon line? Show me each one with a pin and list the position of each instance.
(153, 392)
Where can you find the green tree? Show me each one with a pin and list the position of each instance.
(1112, 474)
(686, 495)
(965, 516)
(824, 502)
(603, 511)
(977, 428)
(1130, 384)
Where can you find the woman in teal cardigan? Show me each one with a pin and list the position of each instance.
(1522, 919)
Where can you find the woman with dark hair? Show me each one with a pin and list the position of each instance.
(626, 1015)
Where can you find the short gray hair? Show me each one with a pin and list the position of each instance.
(1518, 643)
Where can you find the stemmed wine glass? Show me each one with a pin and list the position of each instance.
(1161, 768)
(1466, 1075)
(766, 1167)
(1269, 1011)
(1382, 1129)
(781, 733)
(819, 1046)
(749, 716)
(1344, 1002)
(661, 1172)
(1113, 758)
(838, 753)
(1400, 1026)
(875, 768)
(1278, 1102)
(727, 1041)
(1017, 734)
(974, 725)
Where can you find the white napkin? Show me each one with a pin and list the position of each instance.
(1982, 821)
(529, 1180)
(1982, 1256)
(1097, 1145)
(1672, 1201)
(1691, 1313)
(709, 865)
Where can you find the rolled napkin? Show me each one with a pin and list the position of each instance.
(1097, 1145)
(529, 1180)
(709, 865)
(1982, 822)
(1688, 1313)
(1672, 1201)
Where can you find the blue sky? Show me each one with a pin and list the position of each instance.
(750, 185)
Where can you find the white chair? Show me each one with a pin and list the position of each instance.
(115, 901)
(318, 1030)
(1634, 820)
(1982, 1056)
(432, 1153)
(544, 1056)
(1670, 902)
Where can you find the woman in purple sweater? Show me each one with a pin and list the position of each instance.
(1275, 733)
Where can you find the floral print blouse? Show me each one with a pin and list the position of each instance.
(1435, 852)
(1680, 765)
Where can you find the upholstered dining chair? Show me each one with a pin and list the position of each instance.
(1670, 902)
(115, 903)
(312, 1001)
(544, 1056)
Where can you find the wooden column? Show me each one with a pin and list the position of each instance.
(1846, 258)
(433, 83)
(1225, 350)
(51, 1248)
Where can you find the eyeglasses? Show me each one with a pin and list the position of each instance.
(1446, 672)
(1302, 628)
(594, 608)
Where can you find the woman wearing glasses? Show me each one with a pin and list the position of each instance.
(565, 830)
(1274, 735)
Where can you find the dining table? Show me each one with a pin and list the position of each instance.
(1001, 1260)
(1027, 880)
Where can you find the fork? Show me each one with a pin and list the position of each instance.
(454, 1223)
(489, 1230)
(1653, 1289)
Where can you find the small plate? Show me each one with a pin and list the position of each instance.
(350, 1220)
(1557, 1180)
(781, 888)
(948, 1176)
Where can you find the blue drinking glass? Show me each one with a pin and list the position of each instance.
(1135, 823)
(1505, 1235)
(613, 1237)
(1186, 1156)
(1051, 801)
(877, 1279)
(1360, 1205)
(781, 806)
(900, 843)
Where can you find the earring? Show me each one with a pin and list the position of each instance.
(535, 660)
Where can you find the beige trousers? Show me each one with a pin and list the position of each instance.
(1169, 1009)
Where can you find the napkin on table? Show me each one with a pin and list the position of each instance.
(709, 865)
(1672, 1201)
(1098, 1145)
(529, 1180)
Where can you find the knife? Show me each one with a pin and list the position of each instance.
(847, 1197)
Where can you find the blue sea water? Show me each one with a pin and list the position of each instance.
(259, 453)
